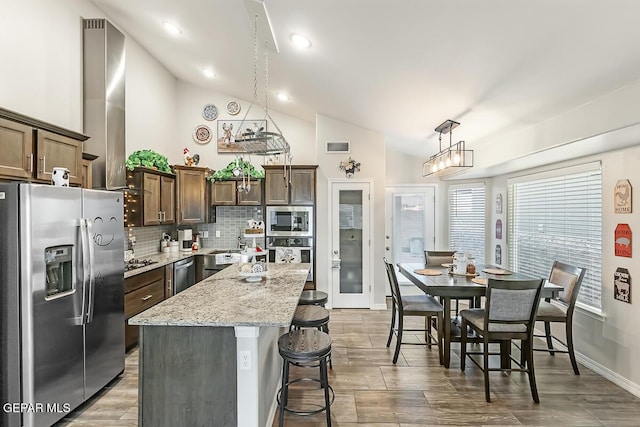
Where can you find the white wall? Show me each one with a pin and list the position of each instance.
(402, 168)
(368, 148)
(191, 100)
(41, 71)
(608, 345)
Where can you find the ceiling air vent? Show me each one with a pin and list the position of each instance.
(338, 147)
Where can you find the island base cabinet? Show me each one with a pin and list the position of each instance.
(187, 376)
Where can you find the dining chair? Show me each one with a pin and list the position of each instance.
(509, 314)
(560, 309)
(436, 259)
(413, 305)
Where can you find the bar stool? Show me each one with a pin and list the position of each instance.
(312, 316)
(313, 298)
(305, 347)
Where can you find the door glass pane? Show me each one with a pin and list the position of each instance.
(351, 241)
(409, 225)
(59, 279)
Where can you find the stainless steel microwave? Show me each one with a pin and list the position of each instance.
(290, 221)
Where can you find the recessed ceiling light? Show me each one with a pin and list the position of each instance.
(300, 41)
(282, 96)
(209, 73)
(171, 28)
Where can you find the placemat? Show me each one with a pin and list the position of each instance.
(480, 281)
(428, 272)
(496, 271)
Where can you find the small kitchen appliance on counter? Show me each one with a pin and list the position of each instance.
(185, 237)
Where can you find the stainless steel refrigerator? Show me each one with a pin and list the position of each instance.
(61, 299)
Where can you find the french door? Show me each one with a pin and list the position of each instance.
(350, 244)
(409, 224)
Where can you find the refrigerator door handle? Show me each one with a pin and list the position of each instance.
(85, 257)
(92, 281)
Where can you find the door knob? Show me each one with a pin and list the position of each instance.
(335, 252)
(387, 248)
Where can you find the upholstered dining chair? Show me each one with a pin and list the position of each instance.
(413, 305)
(509, 314)
(436, 259)
(560, 309)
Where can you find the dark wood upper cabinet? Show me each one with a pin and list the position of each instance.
(153, 201)
(55, 150)
(227, 193)
(191, 194)
(303, 186)
(223, 193)
(32, 148)
(300, 191)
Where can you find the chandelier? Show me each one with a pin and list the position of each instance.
(265, 141)
(451, 158)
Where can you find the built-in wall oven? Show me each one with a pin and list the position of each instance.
(290, 235)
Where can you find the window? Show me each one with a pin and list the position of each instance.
(557, 215)
(467, 220)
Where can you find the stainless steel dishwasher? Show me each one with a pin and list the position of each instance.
(184, 274)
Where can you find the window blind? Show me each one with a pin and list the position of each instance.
(558, 218)
(467, 220)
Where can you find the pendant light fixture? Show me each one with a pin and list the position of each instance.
(451, 158)
(267, 141)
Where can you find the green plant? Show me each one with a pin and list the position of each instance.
(236, 165)
(148, 159)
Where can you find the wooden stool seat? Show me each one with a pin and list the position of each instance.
(310, 316)
(307, 347)
(313, 298)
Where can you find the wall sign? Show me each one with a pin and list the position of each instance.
(622, 285)
(622, 197)
(623, 240)
(499, 203)
(499, 229)
(498, 255)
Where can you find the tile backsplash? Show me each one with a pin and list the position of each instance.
(230, 222)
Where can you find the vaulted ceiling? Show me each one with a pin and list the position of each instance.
(401, 67)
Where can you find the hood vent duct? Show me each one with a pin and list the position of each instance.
(104, 102)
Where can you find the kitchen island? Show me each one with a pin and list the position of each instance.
(209, 356)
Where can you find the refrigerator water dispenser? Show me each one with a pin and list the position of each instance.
(59, 269)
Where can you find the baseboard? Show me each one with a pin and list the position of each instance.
(379, 306)
(601, 370)
(607, 373)
(272, 411)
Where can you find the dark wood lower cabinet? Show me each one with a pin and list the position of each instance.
(141, 292)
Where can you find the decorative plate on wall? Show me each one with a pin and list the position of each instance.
(210, 112)
(233, 108)
(202, 134)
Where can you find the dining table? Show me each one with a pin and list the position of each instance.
(442, 283)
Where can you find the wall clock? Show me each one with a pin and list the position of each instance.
(210, 112)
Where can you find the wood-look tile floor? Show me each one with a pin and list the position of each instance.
(417, 391)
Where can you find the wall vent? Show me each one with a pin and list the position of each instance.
(338, 147)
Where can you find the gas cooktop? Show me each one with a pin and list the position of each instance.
(137, 263)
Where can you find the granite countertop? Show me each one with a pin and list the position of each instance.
(169, 258)
(225, 299)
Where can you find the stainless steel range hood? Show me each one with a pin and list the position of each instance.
(104, 102)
